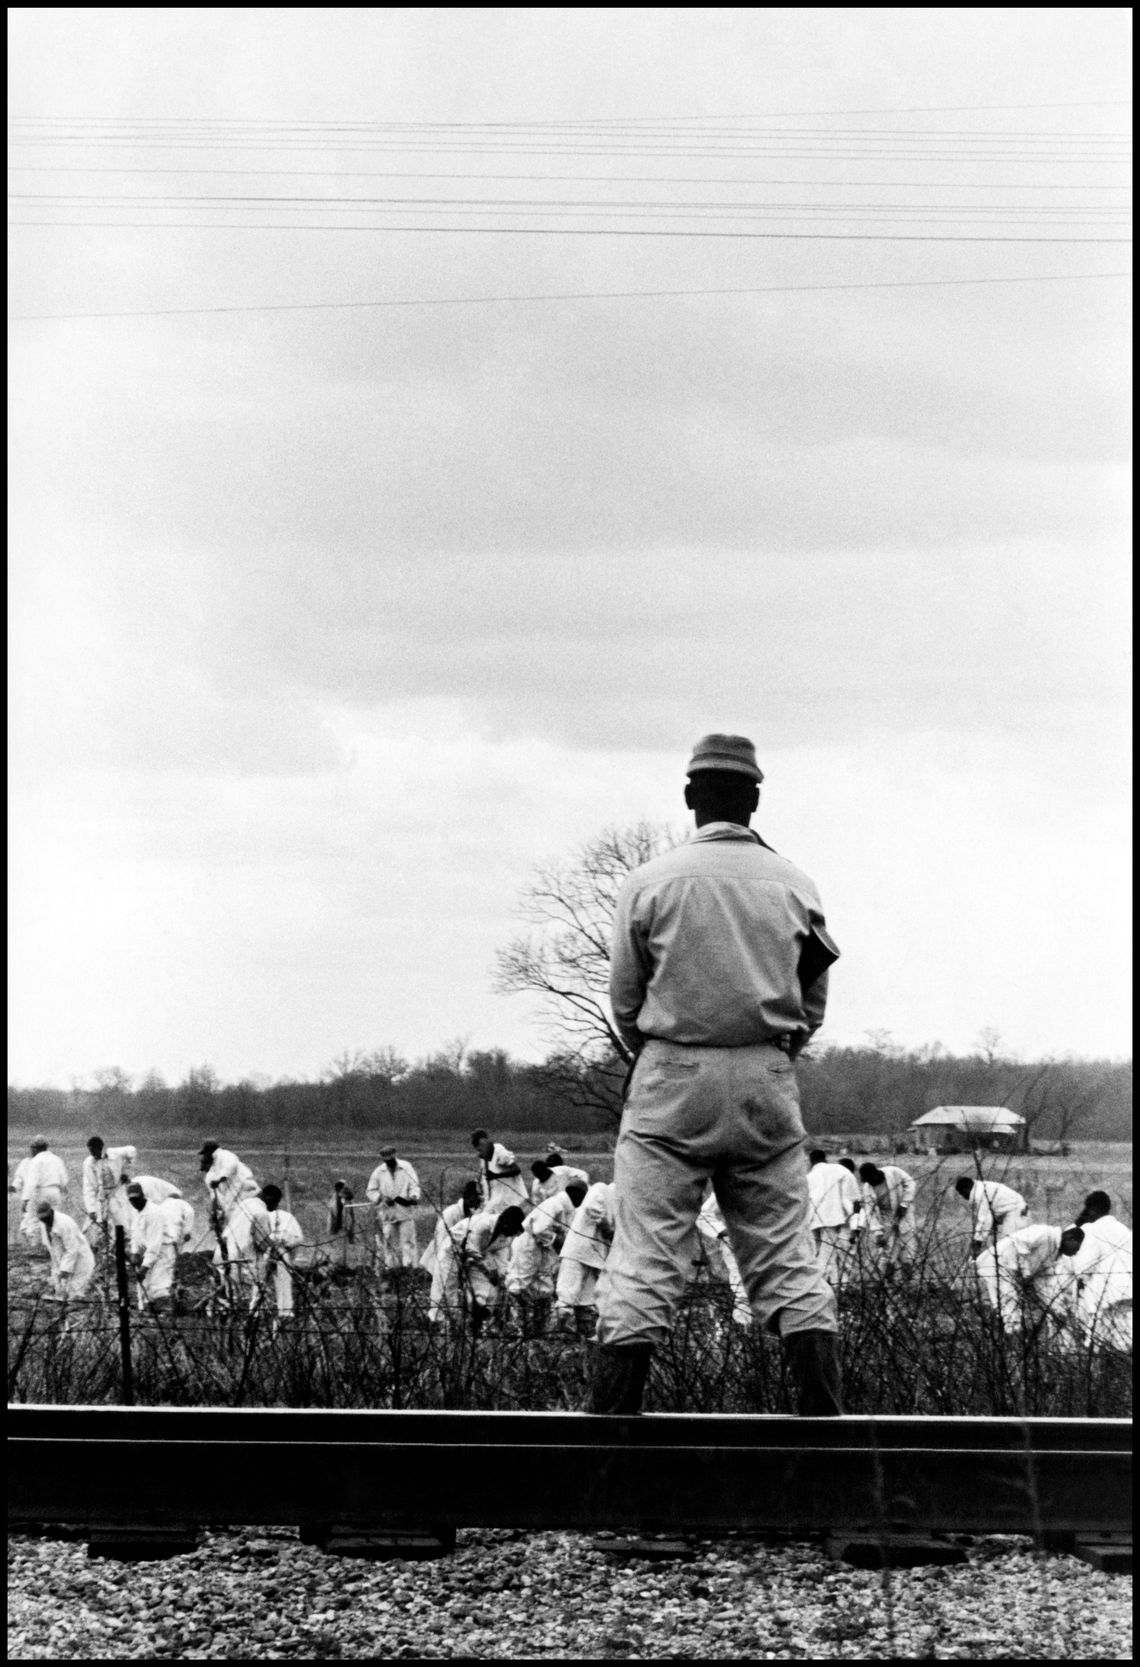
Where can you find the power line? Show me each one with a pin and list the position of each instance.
(585, 295)
(602, 179)
(555, 231)
(770, 115)
(167, 198)
(818, 153)
(223, 129)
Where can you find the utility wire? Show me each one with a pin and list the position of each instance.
(167, 199)
(771, 115)
(594, 179)
(586, 295)
(554, 231)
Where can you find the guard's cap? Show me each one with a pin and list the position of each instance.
(207, 1147)
(725, 752)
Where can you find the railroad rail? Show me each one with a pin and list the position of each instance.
(408, 1472)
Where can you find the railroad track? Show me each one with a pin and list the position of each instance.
(152, 1470)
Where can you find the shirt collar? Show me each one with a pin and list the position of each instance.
(728, 830)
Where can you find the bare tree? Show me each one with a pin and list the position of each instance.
(565, 960)
(989, 1042)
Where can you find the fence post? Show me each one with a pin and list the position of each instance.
(124, 1315)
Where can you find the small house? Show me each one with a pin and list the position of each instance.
(968, 1128)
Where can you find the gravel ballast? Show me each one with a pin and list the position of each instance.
(257, 1594)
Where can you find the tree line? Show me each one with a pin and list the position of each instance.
(877, 1088)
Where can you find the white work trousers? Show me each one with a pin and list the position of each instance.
(396, 1242)
(833, 1248)
(732, 1116)
(158, 1278)
(576, 1285)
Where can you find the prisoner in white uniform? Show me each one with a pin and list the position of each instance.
(276, 1236)
(1102, 1267)
(1096, 1213)
(1019, 1276)
(500, 1180)
(45, 1178)
(72, 1260)
(29, 1226)
(486, 1256)
(889, 1213)
(394, 1188)
(585, 1251)
(836, 1202)
(996, 1210)
(233, 1191)
(156, 1190)
(154, 1245)
(534, 1263)
(180, 1215)
(442, 1256)
(106, 1171)
(551, 1178)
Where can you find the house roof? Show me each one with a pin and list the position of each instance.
(977, 1119)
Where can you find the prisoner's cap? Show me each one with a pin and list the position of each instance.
(135, 1191)
(207, 1148)
(725, 752)
(387, 1151)
(39, 1144)
(44, 1209)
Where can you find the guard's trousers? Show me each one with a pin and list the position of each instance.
(731, 1115)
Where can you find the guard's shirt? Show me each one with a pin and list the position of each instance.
(707, 945)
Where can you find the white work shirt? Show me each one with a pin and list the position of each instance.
(156, 1190)
(103, 1177)
(1103, 1271)
(228, 1179)
(834, 1195)
(707, 940)
(1033, 1251)
(44, 1170)
(562, 1175)
(498, 1190)
(179, 1217)
(895, 1192)
(1109, 1231)
(591, 1231)
(446, 1226)
(150, 1230)
(394, 1192)
(71, 1256)
(16, 1184)
(549, 1221)
(990, 1202)
(277, 1230)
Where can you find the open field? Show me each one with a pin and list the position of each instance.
(1053, 1186)
(924, 1347)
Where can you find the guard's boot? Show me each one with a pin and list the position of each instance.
(618, 1378)
(813, 1360)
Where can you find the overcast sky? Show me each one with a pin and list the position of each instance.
(328, 625)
